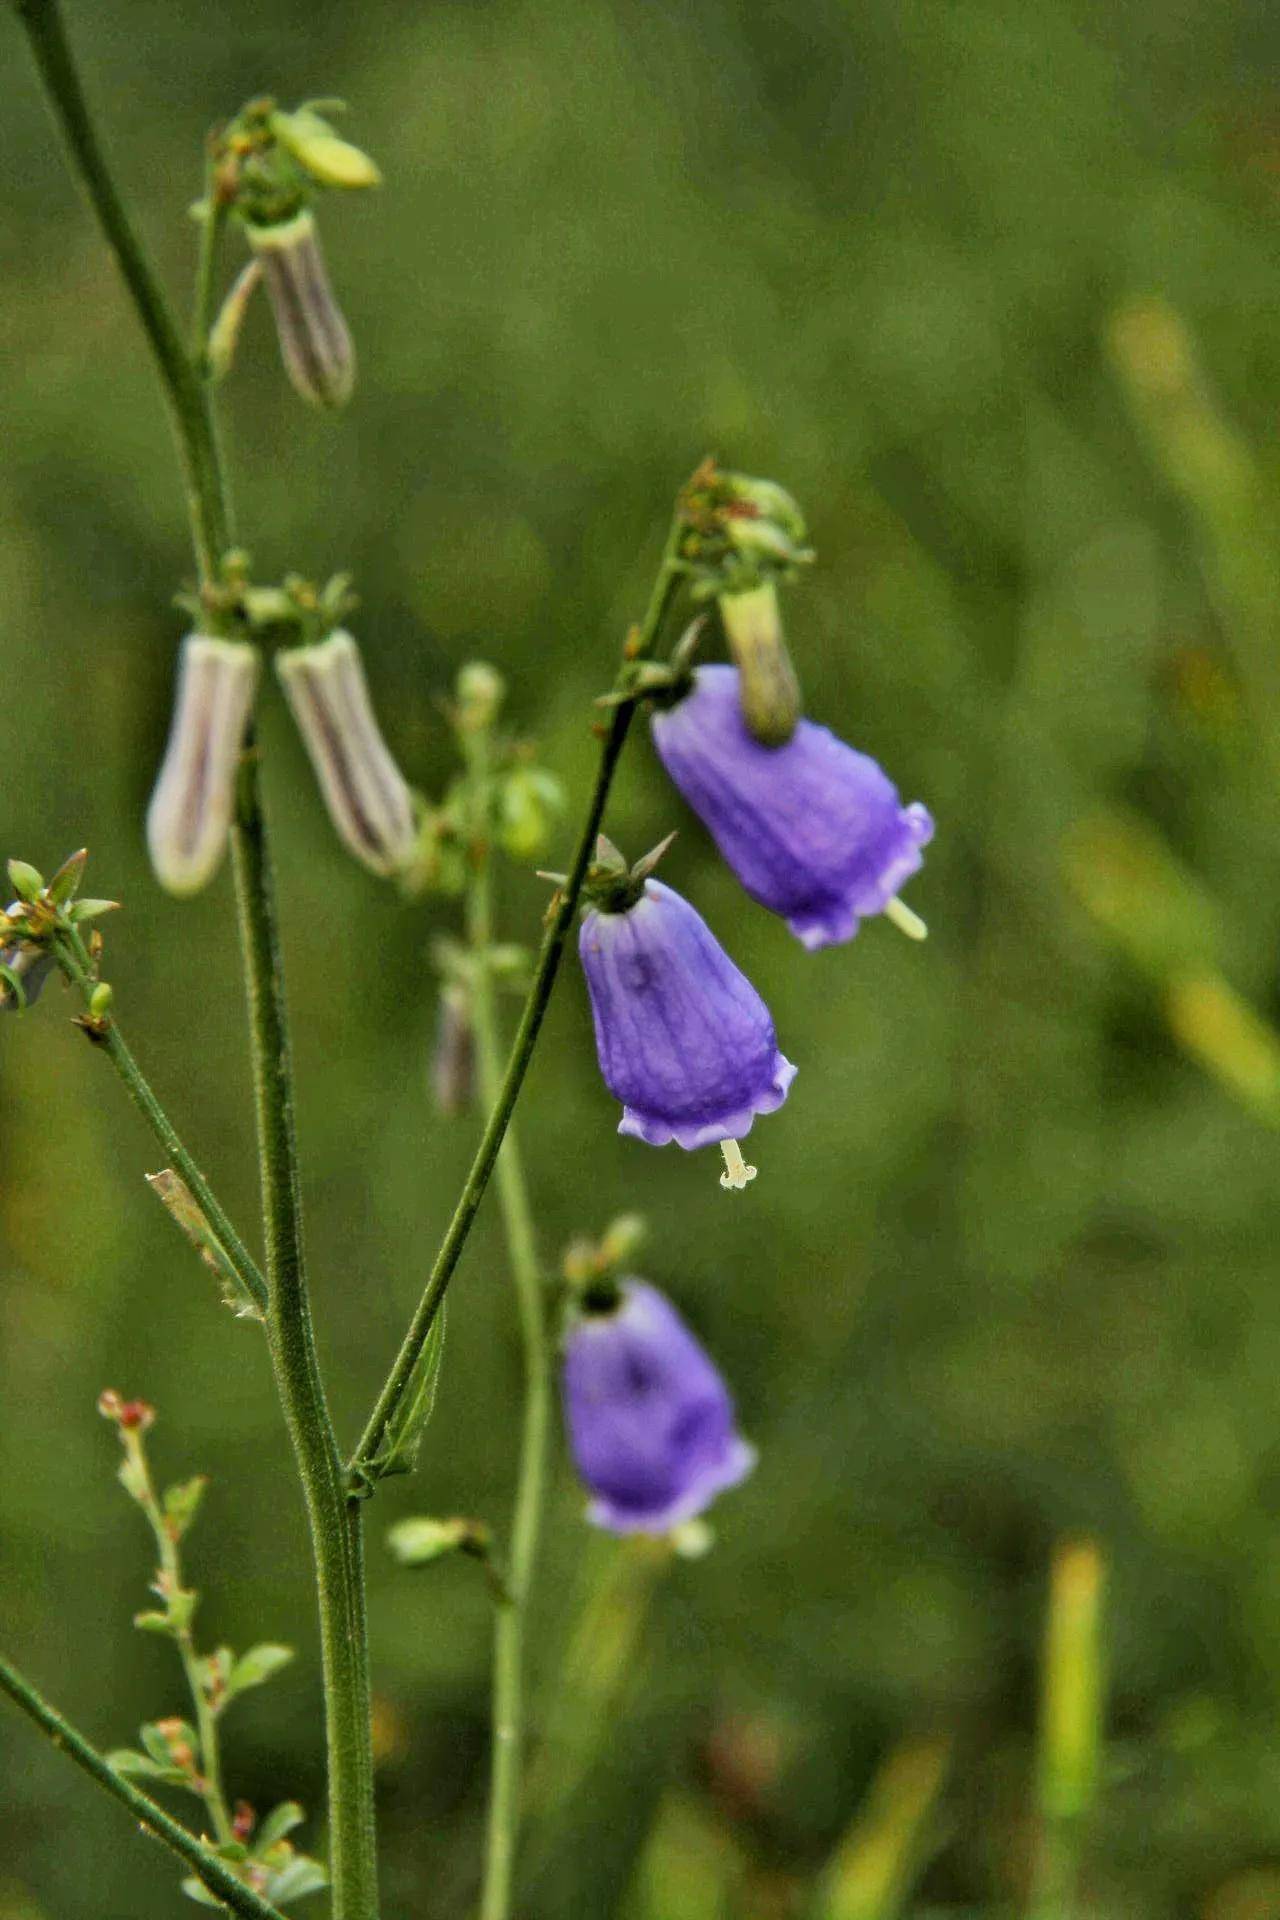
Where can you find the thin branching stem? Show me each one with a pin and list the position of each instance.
(150, 1817)
(510, 1617)
(335, 1540)
(76, 963)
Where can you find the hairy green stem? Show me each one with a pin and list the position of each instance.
(335, 1531)
(151, 1818)
(336, 1545)
(75, 962)
(507, 1733)
(564, 907)
(184, 388)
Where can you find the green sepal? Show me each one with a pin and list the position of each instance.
(65, 883)
(26, 881)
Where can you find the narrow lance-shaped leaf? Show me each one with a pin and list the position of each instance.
(399, 1450)
(255, 1668)
(184, 1209)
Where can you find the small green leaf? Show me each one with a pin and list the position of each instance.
(280, 1821)
(196, 1890)
(91, 910)
(139, 1766)
(298, 1876)
(399, 1450)
(255, 1668)
(152, 1622)
(182, 1502)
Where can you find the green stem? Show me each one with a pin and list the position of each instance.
(171, 1584)
(507, 1735)
(151, 1818)
(335, 1531)
(78, 968)
(212, 228)
(565, 905)
(335, 1538)
(187, 396)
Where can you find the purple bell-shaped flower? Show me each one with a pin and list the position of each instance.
(814, 830)
(685, 1041)
(650, 1421)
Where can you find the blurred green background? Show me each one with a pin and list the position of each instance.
(994, 289)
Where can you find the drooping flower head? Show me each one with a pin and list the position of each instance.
(685, 1042)
(650, 1421)
(368, 798)
(189, 817)
(814, 830)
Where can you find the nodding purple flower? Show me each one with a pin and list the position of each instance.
(685, 1041)
(814, 830)
(650, 1421)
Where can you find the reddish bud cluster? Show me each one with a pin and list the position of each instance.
(133, 1416)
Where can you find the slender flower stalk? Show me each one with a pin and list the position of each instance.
(149, 1817)
(335, 1534)
(74, 960)
(507, 1763)
(362, 1470)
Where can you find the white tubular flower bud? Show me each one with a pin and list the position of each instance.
(190, 812)
(368, 798)
(315, 344)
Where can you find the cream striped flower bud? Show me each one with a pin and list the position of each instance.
(190, 812)
(315, 344)
(369, 801)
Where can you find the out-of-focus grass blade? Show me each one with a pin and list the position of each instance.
(889, 1843)
(1072, 1708)
(1211, 465)
(1131, 884)
(689, 1867)
(1127, 880)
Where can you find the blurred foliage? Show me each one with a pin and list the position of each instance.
(994, 290)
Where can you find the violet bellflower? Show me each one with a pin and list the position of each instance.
(685, 1041)
(650, 1422)
(814, 830)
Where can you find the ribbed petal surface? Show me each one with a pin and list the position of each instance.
(651, 1424)
(685, 1041)
(814, 830)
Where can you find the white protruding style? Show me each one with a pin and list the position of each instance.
(904, 920)
(737, 1173)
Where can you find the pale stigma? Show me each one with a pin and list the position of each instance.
(737, 1172)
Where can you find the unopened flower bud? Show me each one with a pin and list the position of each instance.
(530, 802)
(368, 798)
(327, 157)
(480, 691)
(453, 1058)
(190, 812)
(768, 688)
(315, 343)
